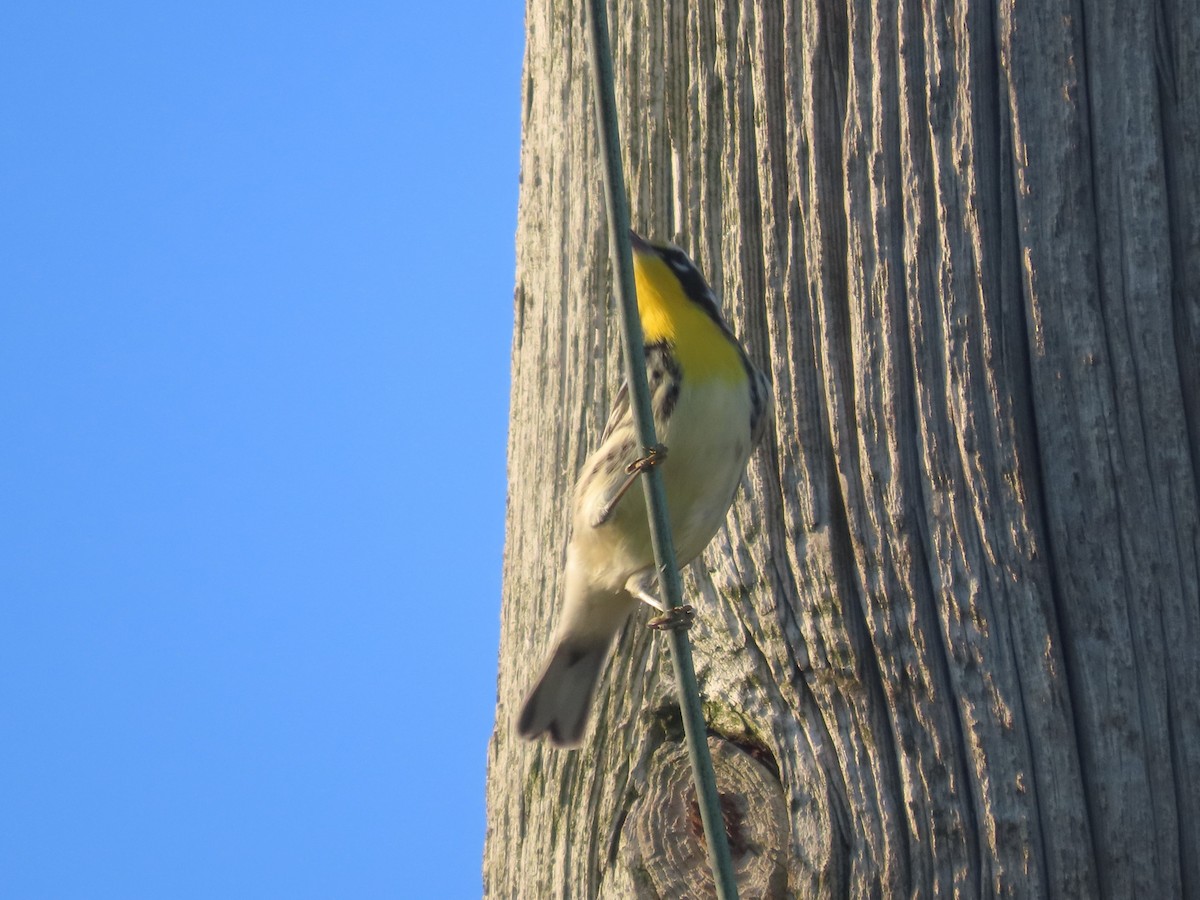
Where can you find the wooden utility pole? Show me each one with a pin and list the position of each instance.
(949, 640)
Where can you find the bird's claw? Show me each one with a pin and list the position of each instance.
(673, 619)
(654, 456)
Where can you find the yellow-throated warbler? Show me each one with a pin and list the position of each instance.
(710, 411)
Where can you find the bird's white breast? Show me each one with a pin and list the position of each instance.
(708, 442)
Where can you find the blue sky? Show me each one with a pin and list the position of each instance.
(256, 270)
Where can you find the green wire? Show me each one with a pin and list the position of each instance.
(656, 500)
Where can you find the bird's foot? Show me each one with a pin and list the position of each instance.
(654, 456)
(673, 619)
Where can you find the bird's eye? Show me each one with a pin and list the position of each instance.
(678, 262)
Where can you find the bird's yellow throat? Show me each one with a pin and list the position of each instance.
(667, 314)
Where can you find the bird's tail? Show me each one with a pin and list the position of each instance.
(560, 702)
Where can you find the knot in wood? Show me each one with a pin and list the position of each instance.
(663, 841)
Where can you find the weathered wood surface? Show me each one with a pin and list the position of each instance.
(957, 609)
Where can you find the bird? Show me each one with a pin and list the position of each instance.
(711, 406)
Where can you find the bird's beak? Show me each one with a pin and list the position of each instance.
(640, 244)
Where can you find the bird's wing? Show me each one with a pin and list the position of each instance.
(605, 472)
(620, 414)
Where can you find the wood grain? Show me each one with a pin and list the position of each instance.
(956, 608)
